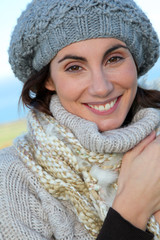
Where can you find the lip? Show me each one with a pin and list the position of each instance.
(105, 112)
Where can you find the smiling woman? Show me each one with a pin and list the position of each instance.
(91, 147)
(97, 84)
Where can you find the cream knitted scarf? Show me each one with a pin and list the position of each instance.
(74, 161)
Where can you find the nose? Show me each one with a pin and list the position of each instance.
(100, 84)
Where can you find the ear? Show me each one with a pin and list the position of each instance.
(50, 85)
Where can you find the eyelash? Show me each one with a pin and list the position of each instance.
(117, 58)
(70, 69)
(109, 61)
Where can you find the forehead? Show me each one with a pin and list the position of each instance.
(98, 45)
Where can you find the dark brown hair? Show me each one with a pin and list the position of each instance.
(35, 95)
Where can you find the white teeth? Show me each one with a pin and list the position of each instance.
(112, 104)
(102, 108)
(107, 106)
(96, 107)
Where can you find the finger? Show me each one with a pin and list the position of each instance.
(133, 153)
(140, 147)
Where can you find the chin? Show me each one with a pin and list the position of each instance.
(107, 127)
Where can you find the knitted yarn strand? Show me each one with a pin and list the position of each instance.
(58, 178)
(70, 172)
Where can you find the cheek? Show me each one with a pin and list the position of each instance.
(129, 77)
(68, 89)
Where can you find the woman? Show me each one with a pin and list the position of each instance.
(79, 61)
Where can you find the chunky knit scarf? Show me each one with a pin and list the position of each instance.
(74, 161)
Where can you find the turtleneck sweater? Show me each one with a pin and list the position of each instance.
(28, 211)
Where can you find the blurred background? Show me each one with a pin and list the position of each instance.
(12, 118)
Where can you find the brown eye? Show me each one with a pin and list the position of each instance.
(74, 68)
(114, 59)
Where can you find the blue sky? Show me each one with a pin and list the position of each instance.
(10, 10)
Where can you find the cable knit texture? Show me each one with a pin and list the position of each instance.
(28, 211)
(71, 172)
(47, 26)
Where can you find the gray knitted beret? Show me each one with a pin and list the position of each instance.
(46, 26)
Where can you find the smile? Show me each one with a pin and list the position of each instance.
(104, 107)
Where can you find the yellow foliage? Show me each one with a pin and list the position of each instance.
(9, 131)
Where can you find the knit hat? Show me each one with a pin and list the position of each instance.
(47, 26)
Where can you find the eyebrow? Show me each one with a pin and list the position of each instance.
(85, 60)
(112, 49)
(72, 57)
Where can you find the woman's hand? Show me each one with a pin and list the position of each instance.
(138, 195)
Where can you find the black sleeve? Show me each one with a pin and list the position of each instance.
(116, 227)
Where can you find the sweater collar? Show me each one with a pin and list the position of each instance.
(117, 140)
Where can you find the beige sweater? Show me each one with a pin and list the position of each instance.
(27, 211)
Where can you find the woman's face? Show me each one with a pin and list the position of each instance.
(96, 80)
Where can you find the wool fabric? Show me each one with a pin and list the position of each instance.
(46, 27)
(70, 172)
(116, 140)
(28, 211)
